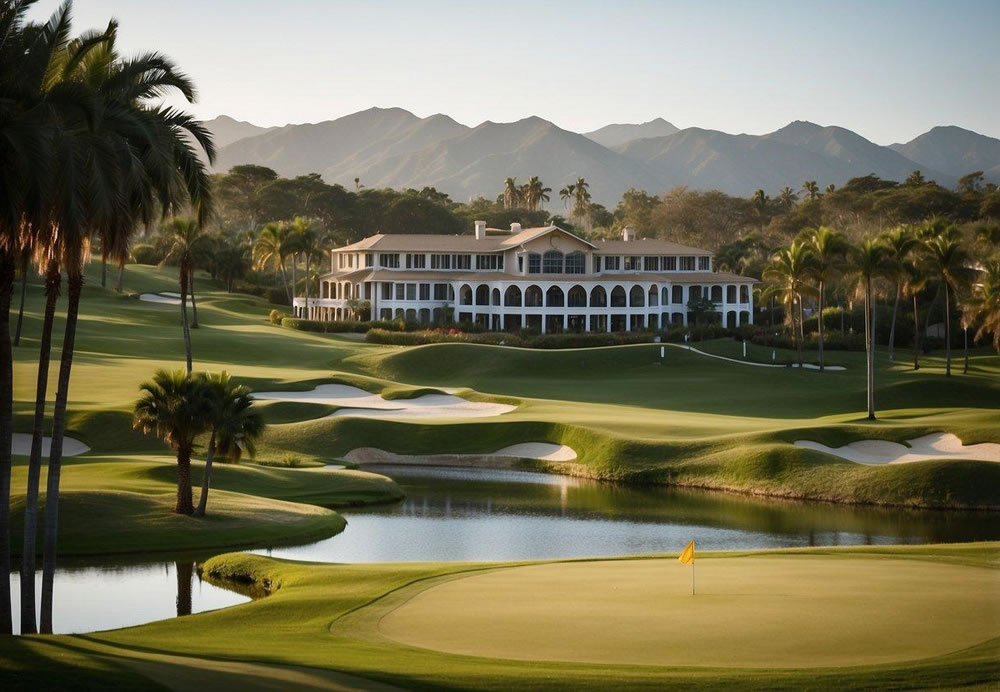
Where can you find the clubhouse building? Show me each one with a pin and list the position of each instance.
(541, 278)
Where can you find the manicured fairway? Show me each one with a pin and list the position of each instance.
(753, 612)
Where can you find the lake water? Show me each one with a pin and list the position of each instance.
(475, 514)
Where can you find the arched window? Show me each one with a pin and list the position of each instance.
(512, 297)
(495, 297)
(533, 297)
(554, 297)
(482, 294)
(425, 315)
(636, 297)
(730, 294)
(534, 263)
(552, 262)
(665, 299)
(716, 294)
(654, 297)
(598, 297)
(576, 263)
(411, 315)
(618, 297)
(744, 294)
(465, 295)
(577, 297)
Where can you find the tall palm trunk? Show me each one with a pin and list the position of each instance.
(295, 286)
(6, 434)
(185, 504)
(20, 309)
(947, 330)
(892, 328)
(184, 315)
(104, 270)
(121, 275)
(820, 323)
(802, 328)
(53, 279)
(206, 479)
(965, 364)
(194, 305)
(75, 288)
(795, 331)
(870, 348)
(916, 334)
(308, 316)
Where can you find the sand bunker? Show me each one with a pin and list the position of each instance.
(357, 402)
(71, 447)
(502, 458)
(927, 448)
(162, 298)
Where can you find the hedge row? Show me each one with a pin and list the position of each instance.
(527, 339)
(336, 327)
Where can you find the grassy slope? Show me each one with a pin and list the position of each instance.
(329, 615)
(691, 420)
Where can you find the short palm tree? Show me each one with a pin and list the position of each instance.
(233, 422)
(946, 261)
(787, 197)
(566, 194)
(269, 252)
(535, 193)
(511, 193)
(811, 189)
(189, 238)
(900, 242)
(914, 281)
(581, 196)
(788, 274)
(829, 248)
(868, 262)
(761, 205)
(311, 245)
(174, 407)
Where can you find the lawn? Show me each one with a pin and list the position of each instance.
(852, 618)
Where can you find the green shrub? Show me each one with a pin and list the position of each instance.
(276, 316)
(146, 254)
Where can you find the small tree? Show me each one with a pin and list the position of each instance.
(174, 407)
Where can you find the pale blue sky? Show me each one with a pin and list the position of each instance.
(886, 69)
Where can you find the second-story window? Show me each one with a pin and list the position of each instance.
(462, 262)
(651, 263)
(441, 291)
(386, 291)
(388, 260)
(612, 264)
(633, 263)
(576, 263)
(400, 291)
(416, 261)
(552, 262)
(687, 264)
(534, 263)
(669, 264)
(703, 263)
(489, 262)
(369, 259)
(425, 291)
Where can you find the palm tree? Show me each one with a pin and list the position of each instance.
(869, 260)
(269, 252)
(231, 264)
(946, 261)
(566, 194)
(511, 193)
(914, 280)
(829, 248)
(761, 208)
(174, 406)
(787, 198)
(535, 193)
(811, 190)
(188, 239)
(143, 153)
(788, 273)
(983, 306)
(581, 195)
(311, 246)
(235, 425)
(899, 243)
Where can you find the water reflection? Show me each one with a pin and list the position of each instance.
(121, 594)
(474, 514)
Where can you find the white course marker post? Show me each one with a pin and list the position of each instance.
(744, 349)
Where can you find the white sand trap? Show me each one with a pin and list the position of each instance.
(163, 298)
(358, 402)
(502, 458)
(71, 448)
(927, 448)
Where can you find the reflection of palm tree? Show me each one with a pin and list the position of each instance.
(185, 575)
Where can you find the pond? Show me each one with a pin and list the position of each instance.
(476, 514)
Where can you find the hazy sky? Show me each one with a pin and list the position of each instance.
(886, 69)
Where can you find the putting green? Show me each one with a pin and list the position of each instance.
(759, 612)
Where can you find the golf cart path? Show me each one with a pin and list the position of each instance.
(808, 366)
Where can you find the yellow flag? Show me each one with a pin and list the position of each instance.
(687, 557)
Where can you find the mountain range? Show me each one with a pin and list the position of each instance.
(391, 147)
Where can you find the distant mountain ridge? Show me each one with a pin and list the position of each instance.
(391, 147)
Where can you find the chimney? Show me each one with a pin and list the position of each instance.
(480, 230)
(628, 234)
(515, 228)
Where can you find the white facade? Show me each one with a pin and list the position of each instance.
(541, 278)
